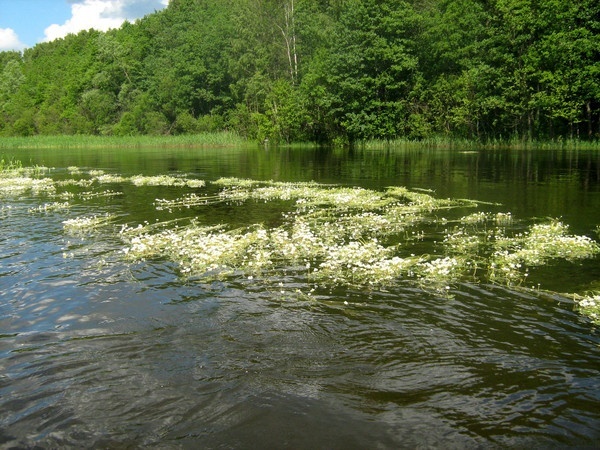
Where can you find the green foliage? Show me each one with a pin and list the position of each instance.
(326, 71)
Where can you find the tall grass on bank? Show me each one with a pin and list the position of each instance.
(232, 139)
(442, 142)
(224, 139)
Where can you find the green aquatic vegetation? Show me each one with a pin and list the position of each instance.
(309, 195)
(20, 185)
(15, 179)
(187, 201)
(508, 258)
(462, 242)
(220, 138)
(89, 195)
(165, 180)
(353, 236)
(440, 272)
(535, 247)
(88, 223)
(238, 183)
(107, 178)
(74, 170)
(589, 305)
(141, 180)
(9, 165)
(72, 182)
(204, 250)
(503, 219)
(327, 235)
(14, 168)
(332, 234)
(49, 207)
(475, 218)
(361, 264)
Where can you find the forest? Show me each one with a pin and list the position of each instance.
(327, 71)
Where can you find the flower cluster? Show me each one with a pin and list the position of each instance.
(48, 207)
(338, 235)
(541, 243)
(590, 306)
(19, 185)
(441, 270)
(89, 195)
(165, 180)
(187, 201)
(329, 235)
(83, 224)
(332, 234)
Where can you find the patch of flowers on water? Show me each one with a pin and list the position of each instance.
(49, 207)
(327, 235)
(535, 247)
(107, 178)
(19, 185)
(589, 305)
(353, 236)
(90, 195)
(440, 271)
(187, 201)
(165, 180)
(88, 223)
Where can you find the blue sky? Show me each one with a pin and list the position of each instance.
(24, 23)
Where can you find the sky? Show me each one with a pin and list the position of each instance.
(24, 23)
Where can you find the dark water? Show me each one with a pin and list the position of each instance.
(96, 352)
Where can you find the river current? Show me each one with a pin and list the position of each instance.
(96, 351)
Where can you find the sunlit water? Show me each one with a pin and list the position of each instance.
(98, 352)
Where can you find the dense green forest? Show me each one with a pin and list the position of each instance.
(319, 70)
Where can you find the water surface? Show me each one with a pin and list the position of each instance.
(99, 352)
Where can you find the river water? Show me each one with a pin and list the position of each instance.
(96, 351)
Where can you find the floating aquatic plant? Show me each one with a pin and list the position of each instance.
(101, 194)
(338, 235)
(83, 224)
(72, 182)
(107, 178)
(329, 235)
(48, 207)
(589, 305)
(19, 185)
(475, 218)
(541, 243)
(165, 180)
(188, 201)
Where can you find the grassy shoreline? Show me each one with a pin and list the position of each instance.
(470, 144)
(221, 139)
(231, 139)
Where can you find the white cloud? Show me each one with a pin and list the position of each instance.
(102, 15)
(9, 40)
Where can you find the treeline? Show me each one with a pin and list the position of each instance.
(319, 70)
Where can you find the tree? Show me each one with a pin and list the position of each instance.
(371, 69)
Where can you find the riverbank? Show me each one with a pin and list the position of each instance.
(224, 139)
(232, 139)
(466, 144)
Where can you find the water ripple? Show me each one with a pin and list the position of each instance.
(96, 353)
